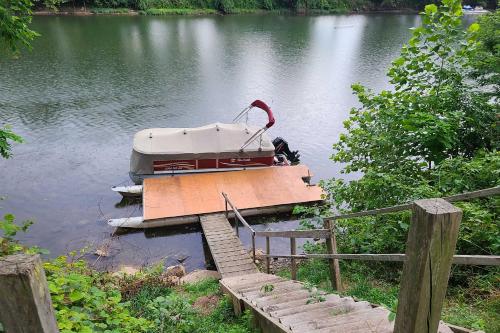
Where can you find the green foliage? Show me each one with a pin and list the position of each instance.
(245, 6)
(173, 311)
(267, 288)
(225, 6)
(85, 301)
(7, 135)
(434, 135)
(110, 10)
(487, 59)
(53, 4)
(15, 17)
(177, 11)
(8, 242)
(268, 4)
(116, 4)
(202, 288)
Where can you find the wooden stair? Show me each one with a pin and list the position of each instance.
(281, 305)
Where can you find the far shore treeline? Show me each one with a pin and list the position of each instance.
(243, 6)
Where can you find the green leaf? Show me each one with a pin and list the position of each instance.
(431, 9)
(473, 27)
(75, 295)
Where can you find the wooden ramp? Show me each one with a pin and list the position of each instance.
(280, 305)
(229, 255)
(197, 194)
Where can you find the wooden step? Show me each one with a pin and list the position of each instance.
(272, 300)
(312, 303)
(343, 307)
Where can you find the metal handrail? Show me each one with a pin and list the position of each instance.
(238, 217)
(398, 208)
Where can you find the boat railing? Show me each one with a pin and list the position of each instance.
(263, 106)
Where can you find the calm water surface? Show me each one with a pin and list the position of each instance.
(92, 82)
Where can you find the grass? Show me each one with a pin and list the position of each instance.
(199, 307)
(470, 307)
(179, 11)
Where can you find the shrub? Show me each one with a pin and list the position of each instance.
(268, 4)
(85, 301)
(225, 6)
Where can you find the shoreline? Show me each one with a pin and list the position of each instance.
(206, 11)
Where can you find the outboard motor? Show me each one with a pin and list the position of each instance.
(281, 148)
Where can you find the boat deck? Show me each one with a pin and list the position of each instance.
(198, 194)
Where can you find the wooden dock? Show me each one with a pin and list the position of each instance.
(181, 197)
(230, 257)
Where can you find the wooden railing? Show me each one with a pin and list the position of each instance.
(238, 217)
(427, 262)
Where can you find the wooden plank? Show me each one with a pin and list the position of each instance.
(429, 249)
(285, 285)
(343, 307)
(293, 262)
(234, 282)
(238, 273)
(316, 233)
(236, 262)
(25, 303)
(333, 264)
(235, 266)
(294, 302)
(242, 284)
(228, 252)
(292, 296)
(197, 194)
(371, 322)
(339, 319)
(488, 192)
(477, 260)
(268, 252)
(303, 308)
(258, 286)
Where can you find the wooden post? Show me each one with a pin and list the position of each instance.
(268, 252)
(253, 246)
(331, 247)
(293, 250)
(227, 213)
(430, 247)
(236, 225)
(25, 304)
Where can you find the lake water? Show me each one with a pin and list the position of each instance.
(91, 82)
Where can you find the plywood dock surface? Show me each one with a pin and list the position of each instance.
(228, 252)
(196, 194)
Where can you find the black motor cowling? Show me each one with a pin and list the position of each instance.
(281, 148)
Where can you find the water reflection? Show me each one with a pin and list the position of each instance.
(92, 82)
